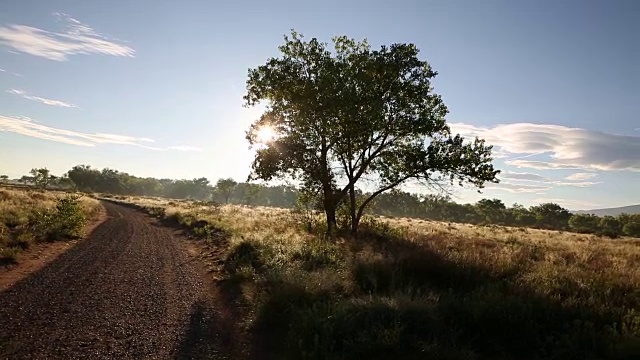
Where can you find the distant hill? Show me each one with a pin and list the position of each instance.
(632, 209)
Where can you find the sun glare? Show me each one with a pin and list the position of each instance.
(266, 133)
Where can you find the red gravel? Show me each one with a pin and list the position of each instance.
(128, 291)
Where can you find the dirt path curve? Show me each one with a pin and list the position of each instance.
(129, 291)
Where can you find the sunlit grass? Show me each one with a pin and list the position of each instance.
(22, 218)
(413, 288)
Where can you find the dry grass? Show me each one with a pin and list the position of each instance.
(413, 289)
(22, 217)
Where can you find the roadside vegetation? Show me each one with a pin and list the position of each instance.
(31, 216)
(413, 289)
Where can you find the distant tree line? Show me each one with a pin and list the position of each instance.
(549, 216)
(395, 203)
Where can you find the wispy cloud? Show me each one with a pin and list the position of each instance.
(519, 188)
(581, 176)
(9, 72)
(28, 127)
(565, 147)
(523, 182)
(76, 38)
(522, 176)
(184, 148)
(46, 101)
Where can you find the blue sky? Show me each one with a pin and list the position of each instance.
(157, 90)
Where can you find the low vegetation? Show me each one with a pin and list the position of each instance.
(30, 216)
(414, 289)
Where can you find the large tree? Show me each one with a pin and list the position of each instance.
(355, 113)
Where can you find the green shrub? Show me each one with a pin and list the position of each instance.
(632, 229)
(64, 222)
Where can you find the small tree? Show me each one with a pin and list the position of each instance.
(251, 192)
(225, 188)
(551, 216)
(4, 179)
(41, 177)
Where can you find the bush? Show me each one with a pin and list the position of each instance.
(244, 254)
(610, 227)
(632, 229)
(64, 222)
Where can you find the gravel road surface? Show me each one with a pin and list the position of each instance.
(129, 291)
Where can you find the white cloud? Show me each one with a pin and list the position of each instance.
(566, 148)
(77, 38)
(184, 148)
(522, 176)
(581, 176)
(576, 184)
(540, 165)
(46, 101)
(28, 127)
(519, 188)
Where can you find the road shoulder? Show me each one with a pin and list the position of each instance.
(39, 255)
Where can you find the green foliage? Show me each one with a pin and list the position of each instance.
(551, 216)
(584, 223)
(225, 187)
(371, 113)
(610, 226)
(64, 222)
(632, 229)
(41, 177)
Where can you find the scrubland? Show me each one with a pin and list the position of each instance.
(32, 216)
(408, 288)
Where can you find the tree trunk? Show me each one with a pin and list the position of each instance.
(331, 220)
(352, 210)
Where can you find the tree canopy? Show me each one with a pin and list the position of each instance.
(356, 113)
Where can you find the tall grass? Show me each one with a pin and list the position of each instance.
(416, 289)
(34, 216)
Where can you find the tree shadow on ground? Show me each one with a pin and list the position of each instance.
(412, 302)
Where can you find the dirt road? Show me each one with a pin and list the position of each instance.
(129, 291)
